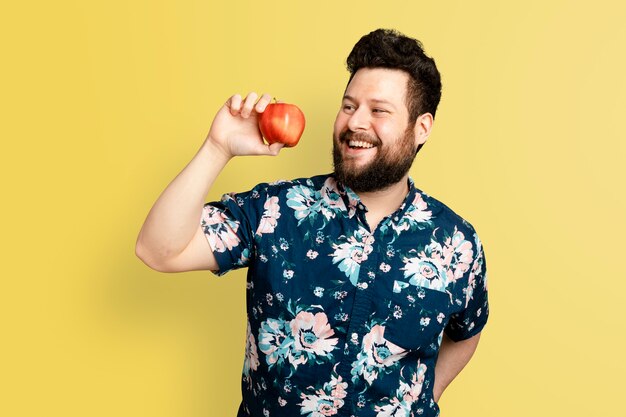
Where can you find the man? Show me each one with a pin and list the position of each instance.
(365, 296)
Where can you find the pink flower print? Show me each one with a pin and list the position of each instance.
(270, 217)
(320, 405)
(380, 351)
(312, 334)
(477, 269)
(251, 361)
(338, 388)
(458, 254)
(221, 231)
(376, 354)
(417, 381)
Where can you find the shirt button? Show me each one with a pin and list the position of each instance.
(395, 219)
(355, 337)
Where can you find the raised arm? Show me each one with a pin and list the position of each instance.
(171, 239)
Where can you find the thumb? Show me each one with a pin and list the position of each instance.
(275, 148)
(271, 150)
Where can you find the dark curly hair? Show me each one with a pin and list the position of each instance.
(388, 48)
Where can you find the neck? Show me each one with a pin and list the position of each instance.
(382, 203)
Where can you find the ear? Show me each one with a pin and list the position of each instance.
(423, 126)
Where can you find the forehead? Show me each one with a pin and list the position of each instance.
(374, 84)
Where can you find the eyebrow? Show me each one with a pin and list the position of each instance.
(374, 100)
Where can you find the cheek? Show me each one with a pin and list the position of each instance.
(340, 124)
(386, 133)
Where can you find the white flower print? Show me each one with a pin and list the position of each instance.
(406, 395)
(438, 265)
(275, 340)
(351, 253)
(340, 295)
(303, 201)
(425, 271)
(333, 202)
(326, 401)
(417, 216)
(440, 317)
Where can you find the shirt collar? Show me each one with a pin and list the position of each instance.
(352, 200)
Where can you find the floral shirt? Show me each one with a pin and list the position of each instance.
(344, 320)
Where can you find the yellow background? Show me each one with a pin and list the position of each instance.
(105, 102)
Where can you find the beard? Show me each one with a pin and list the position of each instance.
(388, 166)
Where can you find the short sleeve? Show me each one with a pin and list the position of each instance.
(229, 226)
(471, 320)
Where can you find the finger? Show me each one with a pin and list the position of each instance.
(248, 104)
(234, 104)
(271, 150)
(275, 148)
(262, 103)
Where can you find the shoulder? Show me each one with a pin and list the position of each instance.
(445, 218)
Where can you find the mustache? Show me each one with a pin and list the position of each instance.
(349, 135)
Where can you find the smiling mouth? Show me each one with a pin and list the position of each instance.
(359, 144)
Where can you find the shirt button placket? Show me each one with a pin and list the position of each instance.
(361, 310)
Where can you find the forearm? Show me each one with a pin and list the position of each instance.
(453, 356)
(175, 216)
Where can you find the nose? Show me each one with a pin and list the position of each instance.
(359, 120)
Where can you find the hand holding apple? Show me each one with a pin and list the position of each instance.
(282, 123)
(235, 128)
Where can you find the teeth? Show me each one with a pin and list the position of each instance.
(360, 144)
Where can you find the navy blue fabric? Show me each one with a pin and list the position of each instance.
(343, 320)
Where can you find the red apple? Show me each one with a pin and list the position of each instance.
(283, 123)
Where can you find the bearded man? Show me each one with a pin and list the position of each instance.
(365, 296)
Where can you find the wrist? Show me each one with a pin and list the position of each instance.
(215, 151)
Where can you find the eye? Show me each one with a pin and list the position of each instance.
(348, 107)
(379, 111)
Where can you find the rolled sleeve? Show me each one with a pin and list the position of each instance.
(472, 319)
(228, 227)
